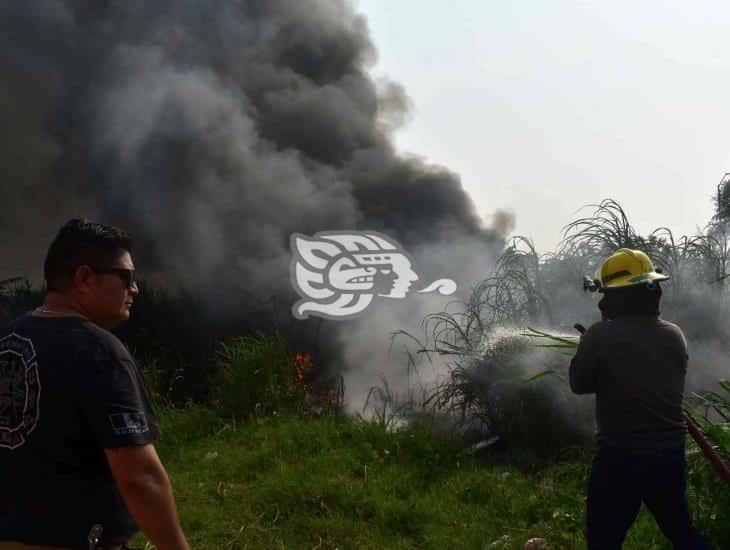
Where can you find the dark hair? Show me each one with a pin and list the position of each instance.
(640, 299)
(81, 242)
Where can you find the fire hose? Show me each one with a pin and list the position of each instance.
(716, 460)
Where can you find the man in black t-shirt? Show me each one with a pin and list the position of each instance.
(76, 426)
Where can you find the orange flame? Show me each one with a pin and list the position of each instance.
(327, 398)
(302, 366)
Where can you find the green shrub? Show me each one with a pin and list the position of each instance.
(173, 330)
(535, 414)
(708, 496)
(256, 377)
(157, 382)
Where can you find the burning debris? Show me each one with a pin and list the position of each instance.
(321, 396)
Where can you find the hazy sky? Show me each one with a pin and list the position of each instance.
(543, 107)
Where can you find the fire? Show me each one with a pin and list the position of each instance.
(322, 399)
(302, 367)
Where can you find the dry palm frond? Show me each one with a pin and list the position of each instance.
(672, 255)
(606, 230)
(515, 293)
(711, 255)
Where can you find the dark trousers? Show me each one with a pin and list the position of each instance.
(621, 479)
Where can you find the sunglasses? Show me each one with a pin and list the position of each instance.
(126, 275)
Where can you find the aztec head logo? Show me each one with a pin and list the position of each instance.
(338, 273)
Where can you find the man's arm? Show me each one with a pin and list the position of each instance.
(583, 370)
(112, 399)
(146, 489)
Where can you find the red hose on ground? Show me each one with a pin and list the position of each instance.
(717, 462)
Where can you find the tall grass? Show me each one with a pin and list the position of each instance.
(260, 376)
(257, 378)
(172, 330)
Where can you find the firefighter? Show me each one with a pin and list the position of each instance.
(635, 363)
(78, 466)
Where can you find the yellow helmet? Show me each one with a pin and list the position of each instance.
(627, 267)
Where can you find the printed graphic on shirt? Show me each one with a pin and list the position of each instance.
(128, 423)
(20, 390)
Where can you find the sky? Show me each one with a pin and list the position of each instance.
(545, 107)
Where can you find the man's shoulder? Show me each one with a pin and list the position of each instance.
(598, 328)
(644, 327)
(632, 322)
(673, 329)
(669, 325)
(82, 334)
(107, 345)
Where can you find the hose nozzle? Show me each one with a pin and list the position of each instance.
(590, 284)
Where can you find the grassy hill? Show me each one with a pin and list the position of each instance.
(286, 481)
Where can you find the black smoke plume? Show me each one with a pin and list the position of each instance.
(210, 130)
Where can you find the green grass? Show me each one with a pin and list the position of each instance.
(292, 482)
(257, 377)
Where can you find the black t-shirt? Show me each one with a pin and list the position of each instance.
(68, 389)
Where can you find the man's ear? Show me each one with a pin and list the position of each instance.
(84, 278)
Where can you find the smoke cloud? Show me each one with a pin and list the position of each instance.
(213, 130)
(210, 131)
(371, 354)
